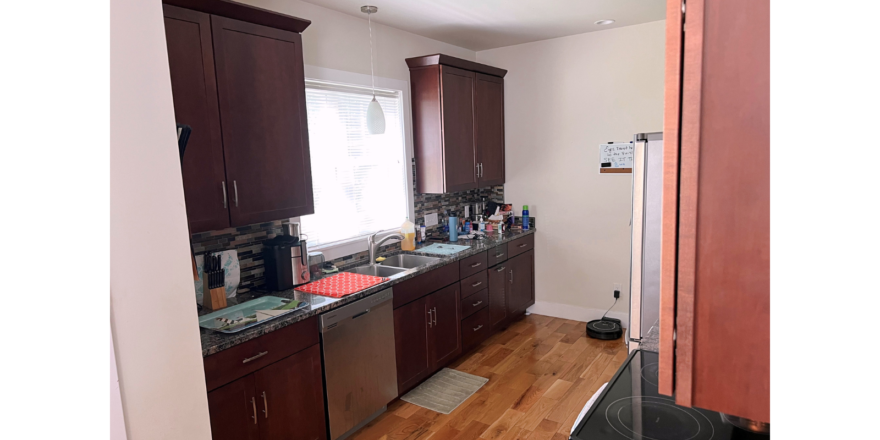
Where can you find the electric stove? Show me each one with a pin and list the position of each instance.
(630, 407)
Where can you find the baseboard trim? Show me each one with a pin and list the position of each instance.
(575, 313)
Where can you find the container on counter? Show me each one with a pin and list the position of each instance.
(408, 229)
(525, 217)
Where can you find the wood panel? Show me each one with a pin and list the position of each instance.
(541, 372)
(474, 284)
(261, 86)
(411, 344)
(489, 128)
(669, 209)
(233, 411)
(427, 130)
(239, 11)
(194, 87)
(520, 245)
(475, 329)
(444, 337)
(422, 285)
(290, 398)
(726, 273)
(498, 293)
(459, 156)
(475, 302)
(521, 278)
(471, 265)
(437, 59)
(496, 255)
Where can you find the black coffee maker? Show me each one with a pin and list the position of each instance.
(286, 259)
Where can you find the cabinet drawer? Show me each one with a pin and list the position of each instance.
(474, 284)
(520, 245)
(473, 303)
(497, 254)
(473, 264)
(415, 288)
(475, 329)
(245, 358)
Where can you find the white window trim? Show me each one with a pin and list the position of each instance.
(354, 245)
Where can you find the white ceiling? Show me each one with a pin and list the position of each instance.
(487, 24)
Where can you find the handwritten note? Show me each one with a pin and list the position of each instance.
(616, 157)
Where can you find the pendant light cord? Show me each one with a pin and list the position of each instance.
(372, 74)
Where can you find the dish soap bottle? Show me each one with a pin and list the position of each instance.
(408, 229)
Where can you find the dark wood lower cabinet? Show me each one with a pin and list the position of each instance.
(498, 289)
(444, 333)
(411, 343)
(520, 271)
(233, 409)
(284, 400)
(290, 398)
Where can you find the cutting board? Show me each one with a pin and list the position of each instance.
(341, 284)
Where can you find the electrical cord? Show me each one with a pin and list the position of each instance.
(609, 309)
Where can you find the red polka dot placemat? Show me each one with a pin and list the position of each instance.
(341, 284)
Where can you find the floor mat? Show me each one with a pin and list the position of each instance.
(445, 391)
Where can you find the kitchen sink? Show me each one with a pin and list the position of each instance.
(377, 270)
(408, 261)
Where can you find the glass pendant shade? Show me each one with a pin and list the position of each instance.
(375, 118)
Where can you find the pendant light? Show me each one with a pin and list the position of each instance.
(375, 116)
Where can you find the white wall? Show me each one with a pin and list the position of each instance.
(152, 311)
(564, 97)
(340, 41)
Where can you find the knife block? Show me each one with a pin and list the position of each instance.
(214, 299)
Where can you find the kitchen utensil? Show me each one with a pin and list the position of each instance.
(215, 297)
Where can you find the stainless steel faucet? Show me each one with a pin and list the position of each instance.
(374, 246)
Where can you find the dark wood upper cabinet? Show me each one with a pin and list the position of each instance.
(444, 334)
(233, 409)
(489, 128)
(458, 123)
(715, 257)
(521, 282)
(290, 398)
(261, 86)
(191, 62)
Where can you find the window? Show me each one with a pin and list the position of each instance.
(359, 179)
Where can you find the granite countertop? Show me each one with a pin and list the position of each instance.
(214, 342)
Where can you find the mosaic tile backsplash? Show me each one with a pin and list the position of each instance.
(248, 240)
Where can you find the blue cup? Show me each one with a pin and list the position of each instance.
(453, 228)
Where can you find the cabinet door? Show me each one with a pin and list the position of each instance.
(261, 87)
(520, 281)
(233, 411)
(290, 398)
(194, 87)
(411, 343)
(489, 128)
(498, 294)
(457, 87)
(444, 335)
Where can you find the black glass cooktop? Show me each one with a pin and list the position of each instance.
(631, 408)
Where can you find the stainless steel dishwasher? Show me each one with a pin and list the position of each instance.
(360, 367)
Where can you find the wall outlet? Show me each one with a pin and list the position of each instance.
(617, 287)
(431, 219)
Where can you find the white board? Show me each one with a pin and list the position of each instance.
(616, 157)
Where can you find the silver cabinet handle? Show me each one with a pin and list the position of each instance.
(499, 255)
(476, 284)
(500, 269)
(511, 276)
(257, 356)
(265, 405)
(430, 318)
(476, 303)
(254, 403)
(523, 245)
(476, 264)
(435, 316)
(477, 170)
(224, 193)
(478, 327)
(235, 188)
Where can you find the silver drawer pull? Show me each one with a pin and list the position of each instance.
(235, 187)
(265, 405)
(477, 303)
(478, 327)
(254, 403)
(223, 183)
(476, 264)
(500, 269)
(523, 245)
(476, 284)
(255, 357)
(499, 255)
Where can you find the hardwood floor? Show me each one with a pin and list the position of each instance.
(541, 372)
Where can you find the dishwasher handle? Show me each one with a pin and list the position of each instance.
(343, 315)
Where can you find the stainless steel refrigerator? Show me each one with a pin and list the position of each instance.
(647, 192)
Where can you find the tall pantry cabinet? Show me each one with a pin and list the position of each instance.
(715, 256)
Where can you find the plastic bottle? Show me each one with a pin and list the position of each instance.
(408, 229)
(525, 217)
(423, 233)
(453, 228)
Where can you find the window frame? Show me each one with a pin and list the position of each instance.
(358, 244)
